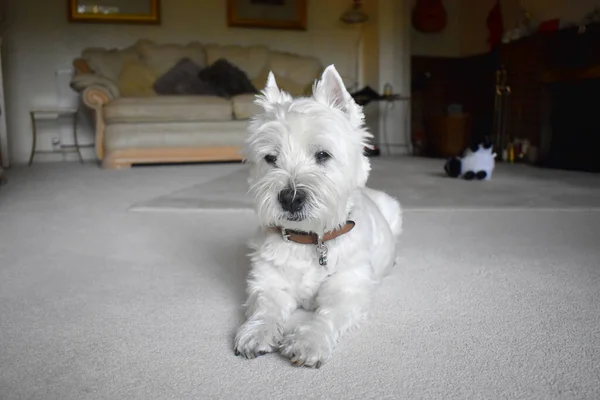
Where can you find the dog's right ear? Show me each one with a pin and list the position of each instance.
(331, 91)
(271, 94)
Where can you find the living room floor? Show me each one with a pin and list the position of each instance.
(97, 301)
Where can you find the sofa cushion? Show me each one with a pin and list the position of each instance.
(136, 79)
(250, 59)
(162, 57)
(108, 62)
(244, 107)
(300, 69)
(227, 78)
(81, 66)
(183, 79)
(168, 109)
(284, 83)
(175, 134)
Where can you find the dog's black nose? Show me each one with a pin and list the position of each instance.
(291, 200)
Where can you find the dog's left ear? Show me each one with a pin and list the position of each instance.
(330, 90)
(271, 94)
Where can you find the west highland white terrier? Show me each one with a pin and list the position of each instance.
(325, 239)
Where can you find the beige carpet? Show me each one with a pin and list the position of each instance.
(419, 184)
(100, 303)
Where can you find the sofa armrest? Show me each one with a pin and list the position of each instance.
(96, 97)
(80, 82)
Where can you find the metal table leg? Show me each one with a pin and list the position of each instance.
(75, 140)
(33, 144)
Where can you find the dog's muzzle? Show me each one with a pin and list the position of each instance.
(292, 200)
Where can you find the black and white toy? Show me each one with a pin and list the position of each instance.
(477, 162)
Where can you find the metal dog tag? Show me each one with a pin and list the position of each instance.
(322, 252)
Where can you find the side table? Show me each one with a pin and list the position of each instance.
(54, 115)
(367, 95)
(391, 100)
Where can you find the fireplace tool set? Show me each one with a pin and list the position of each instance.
(501, 108)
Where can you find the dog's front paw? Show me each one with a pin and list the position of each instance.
(256, 338)
(307, 345)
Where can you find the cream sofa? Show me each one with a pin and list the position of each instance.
(134, 125)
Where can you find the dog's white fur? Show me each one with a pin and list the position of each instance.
(286, 275)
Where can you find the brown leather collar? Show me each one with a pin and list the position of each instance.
(312, 238)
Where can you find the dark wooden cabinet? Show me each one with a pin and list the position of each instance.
(539, 68)
(554, 82)
(542, 59)
(523, 65)
(4, 161)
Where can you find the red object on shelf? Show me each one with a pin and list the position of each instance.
(430, 16)
(551, 25)
(495, 25)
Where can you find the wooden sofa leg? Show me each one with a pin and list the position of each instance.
(108, 163)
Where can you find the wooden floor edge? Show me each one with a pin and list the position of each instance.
(116, 159)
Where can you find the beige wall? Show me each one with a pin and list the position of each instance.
(393, 26)
(467, 32)
(370, 46)
(474, 32)
(41, 42)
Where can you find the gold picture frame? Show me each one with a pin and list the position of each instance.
(267, 14)
(108, 11)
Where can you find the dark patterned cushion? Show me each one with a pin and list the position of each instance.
(182, 79)
(227, 78)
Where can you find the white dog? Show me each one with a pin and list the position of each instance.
(325, 239)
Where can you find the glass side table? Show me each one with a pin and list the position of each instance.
(54, 115)
(367, 95)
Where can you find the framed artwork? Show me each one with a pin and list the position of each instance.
(270, 14)
(127, 11)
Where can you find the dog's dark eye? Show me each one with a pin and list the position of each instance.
(322, 156)
(271, 159)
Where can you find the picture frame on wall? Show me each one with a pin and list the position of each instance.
(267, 14)
(115, 11)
